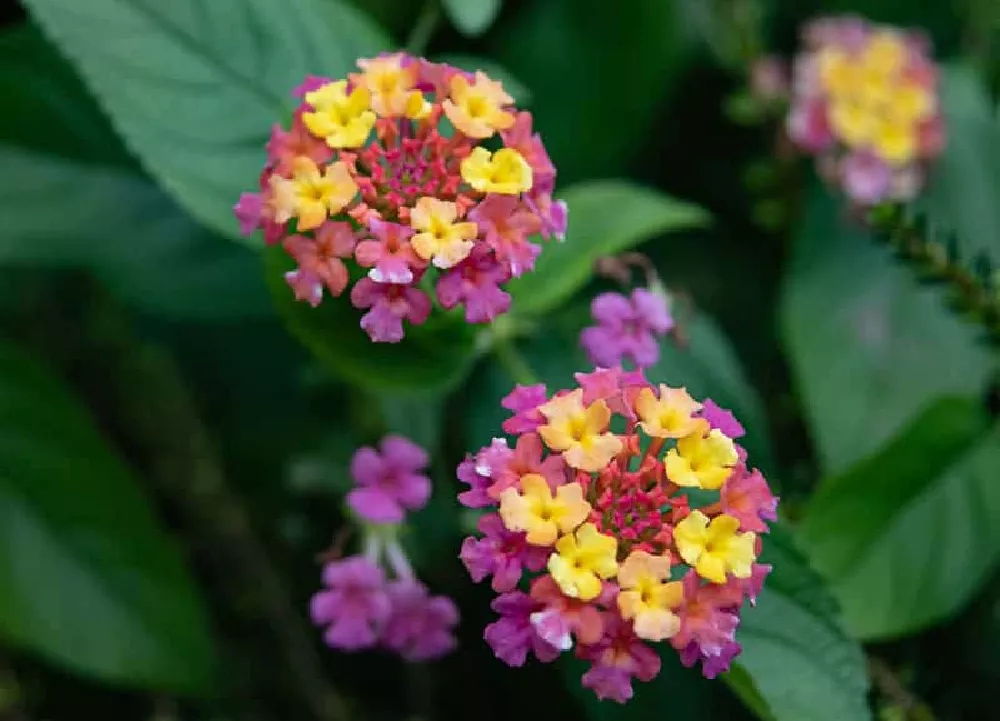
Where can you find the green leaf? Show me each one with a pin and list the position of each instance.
(600, 72)
(470, 63)
(434, 356)
(965, 181)
(472, 17)
(60, 212)
(870, 347)
(47, 107)
(741, 684)
(87, 578)
(194, 86)
(907, 536)
(800, 661)
(605, 218)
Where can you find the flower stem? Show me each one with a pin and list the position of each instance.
(514, 362)
(885, 680)
(975, 292)
(423, 29)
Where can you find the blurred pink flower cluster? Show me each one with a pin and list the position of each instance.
(387, 173)
(374, 599)
(864, 100)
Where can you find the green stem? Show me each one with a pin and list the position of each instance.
(974, 292)
(423, 29)
(514, 363)
(890, 686)
(11, 708)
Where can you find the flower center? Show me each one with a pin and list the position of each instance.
(408, 160)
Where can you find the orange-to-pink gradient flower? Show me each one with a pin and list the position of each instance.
(633, 510)
(439, 179)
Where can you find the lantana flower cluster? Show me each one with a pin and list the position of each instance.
(373, 598)
(418, 175)
(864, 100)
(623, 515)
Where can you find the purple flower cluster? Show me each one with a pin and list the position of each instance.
(362, 609)
(628, 328)
(361, 606)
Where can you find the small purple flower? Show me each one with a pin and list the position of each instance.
(481, 471)
(420, 626)
(389, 253)
(306, 286)
(709, 619)
(354, 607)
(712, 664)
(867, 180)
(618, 657)
(390, 305)
(747, 498)
(505, 226)
(248, 212)
(523, 402)
(626, 328)
(475, 282)
(389, 483)
(722, 419)
(512, 636)
(500, 553)
(753, 586)
(553, 213)
(608, 682)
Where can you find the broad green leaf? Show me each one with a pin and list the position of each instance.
(47, 107)
(965, 181)
(605, 218)
(802, 664)
(907, 536)
(127, 232)
(470, 63)
(87, 577)
(740, 683)
(433, 356)
(472, 17)
(601, 72)
(194, 86)
(870, 347)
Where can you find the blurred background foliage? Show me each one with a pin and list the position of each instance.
(174, 436)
